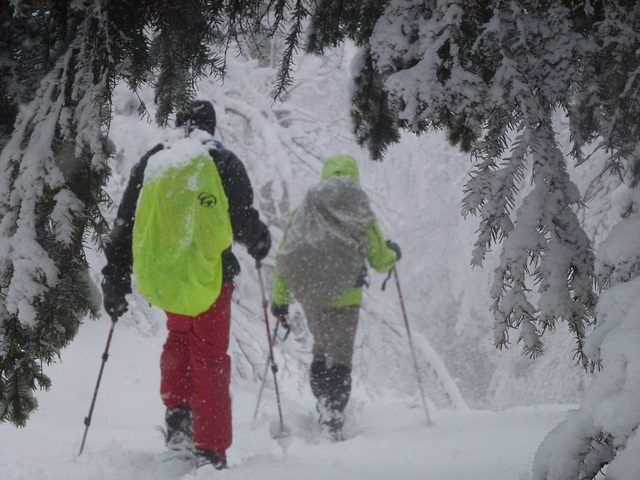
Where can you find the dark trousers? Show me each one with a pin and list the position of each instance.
(334, 332)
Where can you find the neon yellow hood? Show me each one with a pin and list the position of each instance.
(340, 165)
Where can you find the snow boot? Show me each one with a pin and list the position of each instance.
(179, 433)
(206, 459)
(330, 422)
(331, 385)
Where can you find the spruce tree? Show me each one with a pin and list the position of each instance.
(55, 168)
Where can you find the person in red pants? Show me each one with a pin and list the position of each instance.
(196, 371)
(195, 367)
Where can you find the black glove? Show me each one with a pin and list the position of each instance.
(395, 247)
(279, 310)
(261, 246)
(114, 292)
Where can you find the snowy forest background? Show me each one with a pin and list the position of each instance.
(417, 193)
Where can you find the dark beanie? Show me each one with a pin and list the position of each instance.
(201, 115)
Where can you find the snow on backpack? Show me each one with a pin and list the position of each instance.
(326, 243)
(181, 228)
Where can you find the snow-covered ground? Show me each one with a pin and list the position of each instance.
(386, 439)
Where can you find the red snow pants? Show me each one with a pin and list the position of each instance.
(196, 371)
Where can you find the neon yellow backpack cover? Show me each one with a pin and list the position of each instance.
(182, 226)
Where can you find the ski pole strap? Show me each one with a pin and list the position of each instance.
(288, 329)
(384, 284)
(282, 320)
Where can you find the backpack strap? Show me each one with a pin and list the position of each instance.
(215, 142)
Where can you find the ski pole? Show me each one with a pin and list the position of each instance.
(274, 367)
(266, 364)
(413, 352)
(105, 356)
(264, 374)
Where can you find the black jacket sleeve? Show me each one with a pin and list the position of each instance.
(247, 227)
(117, 272)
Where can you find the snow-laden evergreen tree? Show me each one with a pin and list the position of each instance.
(602, 435)
(55, 63)
(493, 73)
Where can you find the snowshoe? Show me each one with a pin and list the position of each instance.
(206, 459)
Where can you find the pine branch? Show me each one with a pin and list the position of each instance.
(292, 43)
(375, 123)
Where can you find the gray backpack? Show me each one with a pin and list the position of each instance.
(326, 244)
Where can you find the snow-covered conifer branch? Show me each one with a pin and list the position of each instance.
(292, 41)
(58, 158)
